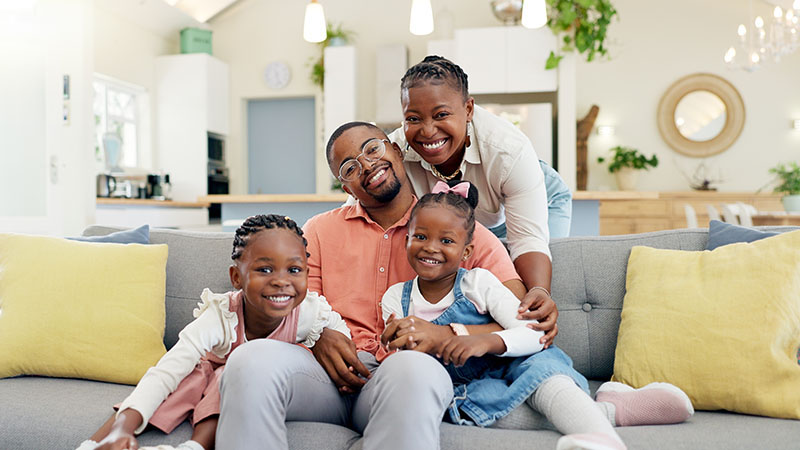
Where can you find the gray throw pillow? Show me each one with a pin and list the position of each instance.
(721, 233)
(139, 235)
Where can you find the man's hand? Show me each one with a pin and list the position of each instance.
(413, 333)
(539, 306)
(337, 355)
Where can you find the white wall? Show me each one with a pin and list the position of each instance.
(126, 51)
(64, 39)
(655, 44)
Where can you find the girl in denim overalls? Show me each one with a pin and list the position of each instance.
(492, 373)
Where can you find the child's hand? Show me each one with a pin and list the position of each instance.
(458, 349)
(413, 333)
(122, 443)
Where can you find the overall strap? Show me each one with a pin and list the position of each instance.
(457, 285)
(405, 299)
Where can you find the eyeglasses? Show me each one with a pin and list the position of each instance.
(372, 151)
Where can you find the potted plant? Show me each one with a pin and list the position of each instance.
(336, 36)
(581, 25)
(625, 165)
(788, 177)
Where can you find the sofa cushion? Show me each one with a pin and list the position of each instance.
(197, 260)
(139, 235)
(723, 325)
(78, 309)
(721, 233)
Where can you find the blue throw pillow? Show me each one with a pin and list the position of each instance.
(139, 235)
(721, 233)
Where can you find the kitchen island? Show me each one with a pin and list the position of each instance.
(133, 212)
(301, 207)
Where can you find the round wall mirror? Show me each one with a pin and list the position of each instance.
(700, 115)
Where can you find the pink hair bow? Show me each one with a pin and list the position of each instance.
(461, 189)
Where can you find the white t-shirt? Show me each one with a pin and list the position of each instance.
(488, 295)
(502, 164)
(214, 330)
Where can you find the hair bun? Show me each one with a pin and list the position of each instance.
(472, 195)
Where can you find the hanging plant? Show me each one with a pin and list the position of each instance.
(581, 25)
(336, 36)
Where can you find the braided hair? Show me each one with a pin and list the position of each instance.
(439, 69)
(463, 207)
(254, 224)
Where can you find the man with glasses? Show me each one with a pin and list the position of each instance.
(357, 251)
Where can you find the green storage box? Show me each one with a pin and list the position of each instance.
(195, 40)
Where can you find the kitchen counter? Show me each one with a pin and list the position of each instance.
(133, 212)
(150, 202)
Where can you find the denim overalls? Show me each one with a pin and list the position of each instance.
(489, 387)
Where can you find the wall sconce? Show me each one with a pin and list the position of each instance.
(314, 26)
(534, 13)
(796, 124)
(421, 22)
(605, 130)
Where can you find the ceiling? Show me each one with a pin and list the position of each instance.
(165, 17)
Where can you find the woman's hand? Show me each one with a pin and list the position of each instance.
(458, 349)
(337, 355)
(413, 333)
(537, 305)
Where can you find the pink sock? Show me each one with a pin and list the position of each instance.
(654, 404)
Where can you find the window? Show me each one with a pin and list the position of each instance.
(117, 114)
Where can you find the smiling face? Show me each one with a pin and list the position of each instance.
(435, 122)
(272, 273)
(437, 243)
(380, 181)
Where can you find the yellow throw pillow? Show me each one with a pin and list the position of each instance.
(722, 325)
(80, 309)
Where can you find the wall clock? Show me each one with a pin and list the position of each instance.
(277, 75)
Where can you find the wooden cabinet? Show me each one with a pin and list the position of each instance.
(668, 210)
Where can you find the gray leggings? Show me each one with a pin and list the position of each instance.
(267, 383)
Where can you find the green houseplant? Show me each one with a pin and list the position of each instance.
(625, 164)
(788, 178)
(581, 25)
(336, 36)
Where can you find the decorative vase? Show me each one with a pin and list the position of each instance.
(791, 203)
(626, 178)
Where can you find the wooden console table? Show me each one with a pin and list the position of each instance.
(776, 218)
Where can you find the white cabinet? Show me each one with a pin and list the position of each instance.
(192, 92)
(502, 60)
(339, 97)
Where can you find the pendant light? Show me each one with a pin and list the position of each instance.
(314, 26)
(534, 13)
(421, 22)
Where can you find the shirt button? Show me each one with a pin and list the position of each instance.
(382, 270)
(586, 307)
(386, 236)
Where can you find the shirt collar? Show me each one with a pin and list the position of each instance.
(357, 211)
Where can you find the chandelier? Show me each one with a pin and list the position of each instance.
(764, 42)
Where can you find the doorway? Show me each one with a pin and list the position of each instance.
(281, 142)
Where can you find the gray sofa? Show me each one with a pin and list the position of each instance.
(588, 285)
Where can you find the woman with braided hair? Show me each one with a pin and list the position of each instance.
(447, 137)
(271, 300)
